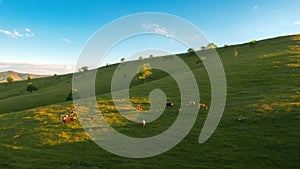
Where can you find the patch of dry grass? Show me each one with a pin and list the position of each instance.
(269, 55)
(293, 64)
(296, 37)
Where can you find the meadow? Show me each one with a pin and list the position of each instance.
(263, 89)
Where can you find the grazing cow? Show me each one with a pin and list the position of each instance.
(93, 118)
(62, 116)
(65, 119)
(241, 118)
(73, 118)
(192, 103)
(169, 104)
(139, 108)
(72, 112)
(143, 123)
(203, 106)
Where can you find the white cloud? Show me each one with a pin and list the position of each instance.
(36, 68)
(297, 22)
(17, 34)
(6, 32)
(27, 30)
(67, 40)
(157, 29)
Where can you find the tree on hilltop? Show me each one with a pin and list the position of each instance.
(10, 79)
(83, 69)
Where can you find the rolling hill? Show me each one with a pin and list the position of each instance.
(263, 89)
(17, 76)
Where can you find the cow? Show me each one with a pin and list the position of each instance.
(169, 104)
(73, 118)
(203, 106)
(191, 103)
(62, 116)
(139, 108)
(143, 123)
(65, 119)
(72, 112)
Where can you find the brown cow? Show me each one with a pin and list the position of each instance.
(203, 106)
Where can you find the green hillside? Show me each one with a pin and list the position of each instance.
(263, 88)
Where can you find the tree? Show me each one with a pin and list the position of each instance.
(29, 77)
(141, 58)
(191, 50)
(201, 59)
(9, 79)
(30, 87)
(252, 43)
(211, 46)
(144, 71)
(122, 60)
(83, 69)
(72, 95)
(151, 56)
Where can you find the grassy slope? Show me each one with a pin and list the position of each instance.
(263, 87)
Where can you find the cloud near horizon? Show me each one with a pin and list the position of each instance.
(35, 68)
(67, 40)
(157, 29)
(297, 22)
(18, 34)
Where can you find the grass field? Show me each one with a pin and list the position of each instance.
(263, 88)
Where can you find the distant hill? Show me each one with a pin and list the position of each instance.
(17, 76)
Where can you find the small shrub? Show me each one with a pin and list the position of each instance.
(30, 87)
(191, 50)
(151, 56)
(252, 43)
(72, 95)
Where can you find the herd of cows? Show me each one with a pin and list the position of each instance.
(71, 115)
(191, 103)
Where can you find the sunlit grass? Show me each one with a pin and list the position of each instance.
(296, 37)
(111, 113)
(294, 64)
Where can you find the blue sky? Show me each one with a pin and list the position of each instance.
(47, 36)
